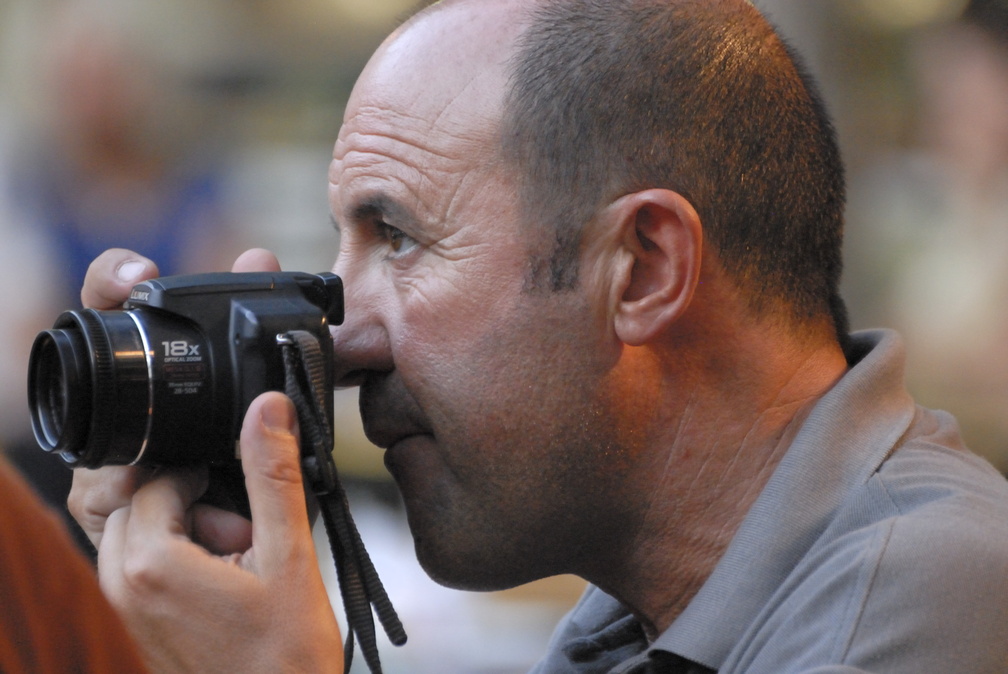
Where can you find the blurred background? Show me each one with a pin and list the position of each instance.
(192, 129)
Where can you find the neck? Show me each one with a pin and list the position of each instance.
(719, 448)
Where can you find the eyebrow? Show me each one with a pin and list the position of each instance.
(384, 207)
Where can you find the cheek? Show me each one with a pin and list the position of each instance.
(488, 362)
(527, 380)
(447, 324)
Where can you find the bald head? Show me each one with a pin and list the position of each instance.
(450, 56)
(593, 99)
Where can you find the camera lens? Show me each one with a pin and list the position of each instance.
(89, 388)
(59, 389)
(125, 387)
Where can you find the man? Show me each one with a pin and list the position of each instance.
(591, 256)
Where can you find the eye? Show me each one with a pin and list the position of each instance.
(397, 240)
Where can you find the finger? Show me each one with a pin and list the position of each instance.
(110, 552)
(281, 533)
(111, 276)
(162, 505)
(256, 259)
(96, 494)
(221, 532)
(139, 537)
(149, 567)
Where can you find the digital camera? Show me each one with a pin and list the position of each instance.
(168, 379)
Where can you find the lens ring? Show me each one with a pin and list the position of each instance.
(102, 381)
(89, 388)
(49, 392)
(59, 390)
(148, 352)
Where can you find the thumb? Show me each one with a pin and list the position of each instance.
(256, 259)
(281, 532)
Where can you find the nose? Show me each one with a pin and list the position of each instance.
(361, 344)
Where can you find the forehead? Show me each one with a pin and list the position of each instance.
(430, 99)
(444, 71)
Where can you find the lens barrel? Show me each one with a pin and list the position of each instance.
(123, 387)
(60, 389)
(89, 388)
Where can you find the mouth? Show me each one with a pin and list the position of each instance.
(390, 441)
(386, 425)
(400, 449)
(389, 414)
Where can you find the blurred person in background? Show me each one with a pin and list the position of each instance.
(928, 228)
(117, 160)
(53, 616)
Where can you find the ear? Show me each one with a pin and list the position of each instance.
(662, 239)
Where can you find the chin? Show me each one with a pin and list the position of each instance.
(450, 568)
(473, 567)
(470, 579)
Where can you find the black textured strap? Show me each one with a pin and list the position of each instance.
(360, 587)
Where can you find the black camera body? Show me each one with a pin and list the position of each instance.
(168, 379)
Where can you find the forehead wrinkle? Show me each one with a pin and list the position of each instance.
(375, 147)
(364, 165)
(375, 182)
(396, 158)
(377, 122)
(480, 99)
(414, 196)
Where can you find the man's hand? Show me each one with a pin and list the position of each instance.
(97, 493)
(202, 589)
(263, 610)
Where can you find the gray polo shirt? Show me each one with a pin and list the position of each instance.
(879, 544)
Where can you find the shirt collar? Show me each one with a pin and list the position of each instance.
(847, 436)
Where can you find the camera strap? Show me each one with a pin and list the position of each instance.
(360, 587)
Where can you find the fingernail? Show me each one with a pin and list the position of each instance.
(277, 416)
(130, 271)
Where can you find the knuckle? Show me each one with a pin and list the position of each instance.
(94, 495)
(77, 504)
(281, 468)
(144, 571)
(90, 519)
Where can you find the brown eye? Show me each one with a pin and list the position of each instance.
(397, 241)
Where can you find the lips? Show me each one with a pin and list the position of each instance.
(404, 455)
(388, 412)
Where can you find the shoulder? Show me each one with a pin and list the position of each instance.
(938, 582)
(933, 587)
(908, 576)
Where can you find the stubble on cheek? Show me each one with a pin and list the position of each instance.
(523, 447)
